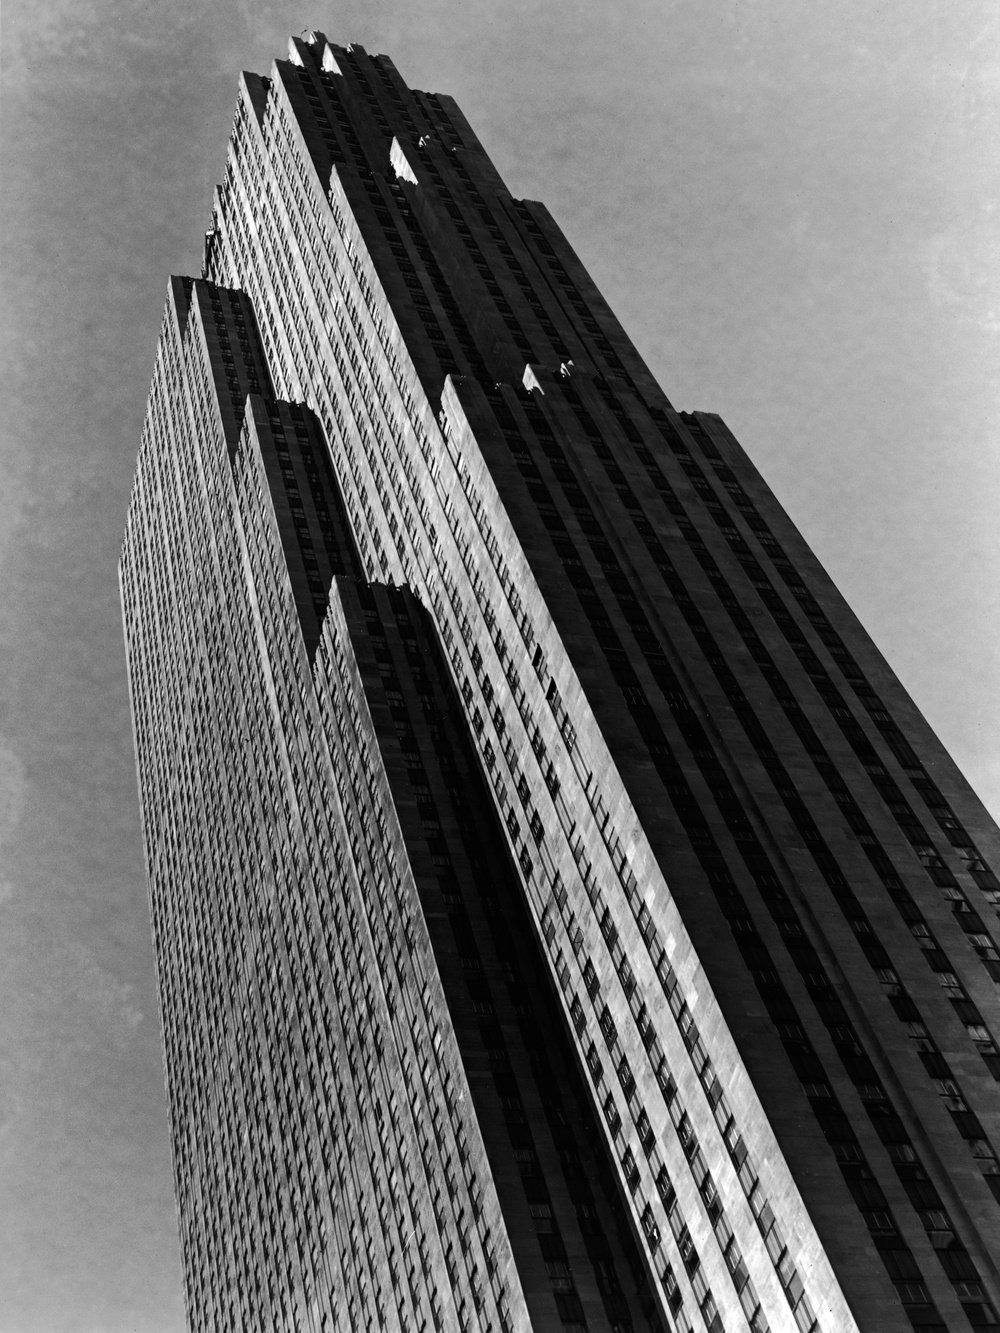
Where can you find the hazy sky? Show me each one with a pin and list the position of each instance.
(792, 208)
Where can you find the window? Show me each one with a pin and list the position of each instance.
(611, 1115)
(569, 1307)
(687, 1250)
(645, 1130)
(594, 1063)
(608, 1027)
(651, 1230)
(673, 1291)
(590, 979)
(879, 1222)
(626, 1078)
(630, 1170)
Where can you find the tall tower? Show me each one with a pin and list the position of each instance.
(564, 918)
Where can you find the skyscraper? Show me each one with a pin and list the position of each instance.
(564, 919)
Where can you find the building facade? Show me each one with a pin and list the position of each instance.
(564, 918)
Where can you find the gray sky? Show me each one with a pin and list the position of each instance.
(792, 209)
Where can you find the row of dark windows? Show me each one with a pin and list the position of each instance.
(756, 732)
(400, 106)
(483, 266)
(596, 335)
(831, 696)
(436, 338)
(957, 835)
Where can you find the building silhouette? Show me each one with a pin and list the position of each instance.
(564, 919)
